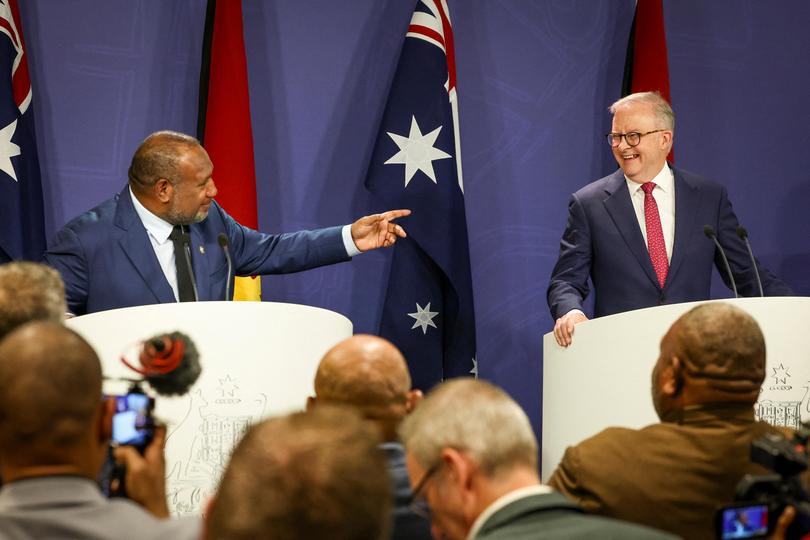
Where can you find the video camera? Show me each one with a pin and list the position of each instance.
(761, 499)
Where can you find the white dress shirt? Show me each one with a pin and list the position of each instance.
(159, 230)
(664, 195)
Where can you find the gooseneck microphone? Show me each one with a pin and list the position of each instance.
(223, 243)
(743, 234)
(186, 240)
(709, 232)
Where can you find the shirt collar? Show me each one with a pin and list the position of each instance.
(504, 501)
(158, 228)
(664, 180)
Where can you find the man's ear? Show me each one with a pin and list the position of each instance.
(163, 190)
(672, 376)
(666, 139)
(209, 507)
(105, 419)
(311, 401)
(412, 399)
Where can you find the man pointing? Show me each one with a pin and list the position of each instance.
(156, 241)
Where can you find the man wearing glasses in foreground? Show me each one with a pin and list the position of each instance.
(639, 233)
(472, 459)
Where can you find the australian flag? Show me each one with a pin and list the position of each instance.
(428, 311)
(22, 227)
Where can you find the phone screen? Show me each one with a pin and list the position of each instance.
(749, 521)
(132, 422)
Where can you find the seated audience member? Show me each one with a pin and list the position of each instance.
(29, 292)
(54, 434)
(472, 457)
(673, 475)
(304, 476)
(369, 374)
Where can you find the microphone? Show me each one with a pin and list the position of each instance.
(223, 243)
(743, 234)
(186, 240)
(709, 232)
(170, 363)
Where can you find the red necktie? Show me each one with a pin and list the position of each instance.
(655, 236)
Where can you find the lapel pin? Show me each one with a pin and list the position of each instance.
(202, 250)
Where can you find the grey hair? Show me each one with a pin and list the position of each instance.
(475, 417)
(30, 291)
(663, 111)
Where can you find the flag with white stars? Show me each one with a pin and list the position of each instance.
(416, 164)
(22, 222)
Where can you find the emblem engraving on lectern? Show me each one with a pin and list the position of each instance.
(780, 413)
(780, 378)
(217, 419)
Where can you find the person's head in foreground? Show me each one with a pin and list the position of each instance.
(308, 475)
(468, 443)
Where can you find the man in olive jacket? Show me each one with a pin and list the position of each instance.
(673, 475)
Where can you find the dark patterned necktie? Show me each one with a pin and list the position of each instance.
(655, 235)
(185, 289)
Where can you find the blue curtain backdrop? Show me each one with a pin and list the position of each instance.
(535, 79)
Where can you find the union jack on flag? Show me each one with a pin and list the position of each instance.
(22, 227)
(428, 310)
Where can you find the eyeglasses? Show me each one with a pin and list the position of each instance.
(633, 138)
(417, 503)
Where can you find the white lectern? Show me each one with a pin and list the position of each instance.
(258, 359)
(604, 378)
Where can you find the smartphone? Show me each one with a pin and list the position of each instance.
(133, 424)
(742, 520)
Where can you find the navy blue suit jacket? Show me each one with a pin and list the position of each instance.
(603, 241)
(107, 261)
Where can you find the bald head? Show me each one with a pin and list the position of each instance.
(159, 156)
(50, 390)
(369, 374)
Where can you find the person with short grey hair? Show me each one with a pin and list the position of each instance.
(472, 459)
(29, 291)
(638, 235)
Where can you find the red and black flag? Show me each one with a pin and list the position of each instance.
(223, 121)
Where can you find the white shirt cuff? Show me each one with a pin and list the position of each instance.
(348, 242)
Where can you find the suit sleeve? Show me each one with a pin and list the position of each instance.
(66, 255)
(739, 260)
(257, 253)
(569, 279)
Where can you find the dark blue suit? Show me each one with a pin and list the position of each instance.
(603, 241)
(107, 261)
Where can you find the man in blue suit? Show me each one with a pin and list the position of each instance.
(639, 232)
(122, 252)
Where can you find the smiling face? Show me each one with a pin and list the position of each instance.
(642, 162)
(194, 189)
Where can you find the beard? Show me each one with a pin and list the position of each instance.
(175, 216)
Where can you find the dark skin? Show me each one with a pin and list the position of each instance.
(34, 358)
(188, 199)
(674, 389)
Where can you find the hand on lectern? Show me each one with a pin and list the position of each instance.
(564, 327)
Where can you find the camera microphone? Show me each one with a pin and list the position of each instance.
(169, 363)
